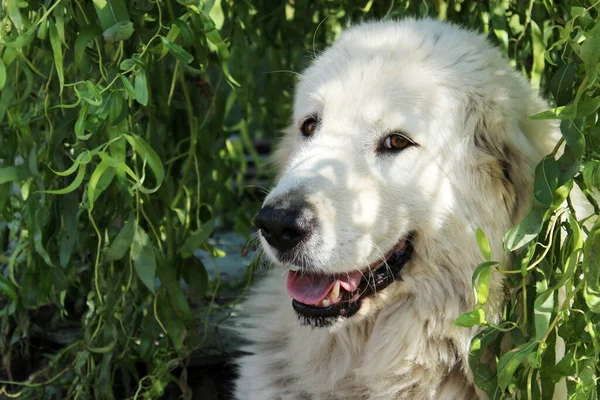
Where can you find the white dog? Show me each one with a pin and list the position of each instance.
(407, 137)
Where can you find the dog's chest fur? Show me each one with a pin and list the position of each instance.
(397, 354)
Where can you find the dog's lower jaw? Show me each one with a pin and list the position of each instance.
(349, 303)
(418, 357)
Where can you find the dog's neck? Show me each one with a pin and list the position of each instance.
(410, 327)
(408, 336)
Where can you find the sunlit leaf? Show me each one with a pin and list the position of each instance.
(99, 181)
(2, 74)
(471, 318)
(543, 310)
(525, 231)
(484, 245)
(508, 364)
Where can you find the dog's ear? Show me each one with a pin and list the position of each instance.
(508, 147)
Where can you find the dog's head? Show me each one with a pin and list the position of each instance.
(407, 137)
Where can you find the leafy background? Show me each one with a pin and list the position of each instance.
(134, 131)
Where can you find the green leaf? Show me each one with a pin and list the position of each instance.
(568, 164)
(38, 245)
(13, 173)
(99, 181)
(31, 293)
(508, 364)
(555, 113)
(114, 19)
(112, 335)
(195, 239)
(141, 87)
(128, 86)
(483, 376)
(144, 259)
(213, 36)
(586, 384)
(57, 52)
(127, 64)
(177, 51)
(573, 252)
(573, 136)
(561, 194)
(80, 124)
(119, 31)
(12, 9)
(173, 324)
(471, 318)
(542, 310)
(68, 234)
(484, 245)
(95, 92)
(484, 272)
(186, 33)
(591, 268)
(148, 154)
(590, 52)
(196, 276)
(180, 303)
(562, 83)
(122, 242)
(581, 109)
(525, 231)
(546, 180)
(538, 49)
(83, 158)
(2, 74)
(562, 368)
(59, 18)
(42, 32)
(73, 186)
(84, 37)
(8, 289)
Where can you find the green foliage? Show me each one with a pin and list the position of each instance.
(127, 130)
(555, 277)
(117, 160)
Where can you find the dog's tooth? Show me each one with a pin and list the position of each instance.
(325, 303)
(336, 290)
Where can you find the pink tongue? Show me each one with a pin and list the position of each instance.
(312, 288)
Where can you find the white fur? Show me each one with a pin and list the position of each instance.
(455, 96)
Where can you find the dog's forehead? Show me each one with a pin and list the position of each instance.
(373, 90)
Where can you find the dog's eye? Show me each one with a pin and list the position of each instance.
(396, 142)
(309, 126)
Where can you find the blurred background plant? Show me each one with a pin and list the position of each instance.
(133, 140)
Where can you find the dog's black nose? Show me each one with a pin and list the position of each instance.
(285, 228)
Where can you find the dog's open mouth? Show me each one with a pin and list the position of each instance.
(321, 297)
